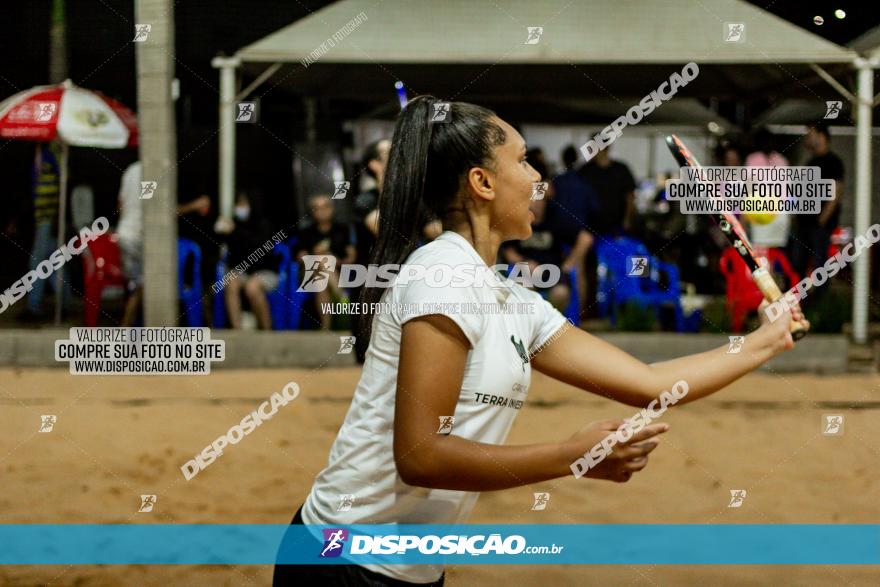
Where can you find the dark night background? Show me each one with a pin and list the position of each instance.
(101, 56)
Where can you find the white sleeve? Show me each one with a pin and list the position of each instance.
(130, 186)
(546, 321)
(420, 299)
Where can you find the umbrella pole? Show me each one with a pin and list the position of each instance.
(62, 214)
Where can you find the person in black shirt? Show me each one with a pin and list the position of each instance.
(545, 247)
(615, 189)
(809, 247)
(245, 236)
(325, 237)
(373, 162)
(366, 205)
(574, 200)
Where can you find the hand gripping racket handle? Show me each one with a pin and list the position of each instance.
(768, 287)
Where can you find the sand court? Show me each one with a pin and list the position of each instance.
(116, 438)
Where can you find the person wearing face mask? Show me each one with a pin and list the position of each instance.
(242, 211)
(244, 235)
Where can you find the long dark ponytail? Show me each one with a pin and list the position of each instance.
(426, 168)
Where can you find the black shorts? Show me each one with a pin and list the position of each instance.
(335, 575)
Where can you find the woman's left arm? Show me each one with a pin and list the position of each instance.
(585, 361)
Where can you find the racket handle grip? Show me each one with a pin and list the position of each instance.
(772, 293)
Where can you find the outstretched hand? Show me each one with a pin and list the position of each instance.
(625, 458)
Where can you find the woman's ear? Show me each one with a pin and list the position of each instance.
(481, 182)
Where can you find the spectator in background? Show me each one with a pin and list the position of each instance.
(366, 226)
(201, 206)
(550, 235)
(809, 247)
(536, 155)
(615, 187)
(130, 232)
(366, 207)
(731, 155)
(374, 161)
(195, 222)
(574, 200)
(662, 224)
(775, 233)
(245, 235)
(46, 190)
(325, 237)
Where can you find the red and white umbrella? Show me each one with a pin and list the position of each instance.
(73, 116)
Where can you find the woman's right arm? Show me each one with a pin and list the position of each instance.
(433, 352)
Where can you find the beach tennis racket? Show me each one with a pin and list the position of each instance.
(736, 234)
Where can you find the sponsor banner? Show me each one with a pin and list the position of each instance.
(716, 544)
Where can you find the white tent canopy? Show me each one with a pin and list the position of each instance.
(586, 31)
(868, 43)
(480, 47)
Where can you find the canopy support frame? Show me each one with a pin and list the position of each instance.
(226, 167)
(861, 267)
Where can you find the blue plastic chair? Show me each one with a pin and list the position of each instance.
(611, 258)
(298, 299)
(190, 296)
(656, 295)
(616, 286)
(219, 303)
(280, 299)
(572, 310)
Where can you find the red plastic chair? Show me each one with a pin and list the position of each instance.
(779, 262)
(102, 267)
(840, 237)
(743, 296)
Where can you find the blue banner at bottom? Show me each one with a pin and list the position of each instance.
(532, 544)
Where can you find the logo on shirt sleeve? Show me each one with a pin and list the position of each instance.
(521, 351)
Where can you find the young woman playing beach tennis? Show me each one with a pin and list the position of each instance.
(445, 376)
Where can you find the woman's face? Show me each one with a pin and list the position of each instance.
(513, 184)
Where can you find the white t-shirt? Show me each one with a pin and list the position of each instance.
(774, 233)
(131, 224)
(494, 389)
